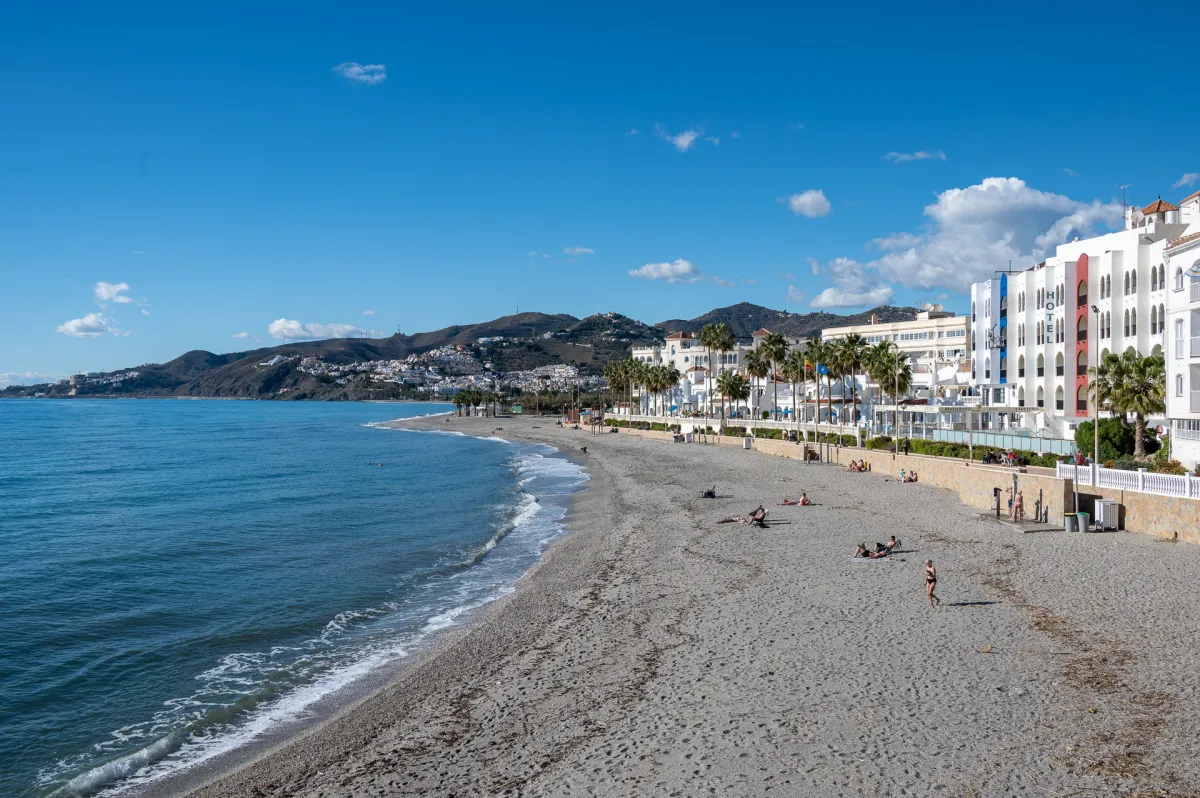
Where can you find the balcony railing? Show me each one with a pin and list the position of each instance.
(1081, 370)
(1082, 301)
(1081, 405)
(1081, 335)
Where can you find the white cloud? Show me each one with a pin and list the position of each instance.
(813, 264)
(368, 313)
(975, 231)
(1071, 172)
(852, 287)
(811, 203)
(735, 135)
(633, 131)
(794, 296)
(138, 252)
(897, 241)
(578, 251)
(242, 335)
(920, 155)
(677, 271)
(795, 127)
(749, 280)
(112, 292)
(786, 276)
(684, 141)
(93, 325)
(1188, 180)
(714, 139)
(8, 378)
(291, 330)
(367, 74)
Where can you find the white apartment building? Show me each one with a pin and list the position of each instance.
(1035, 333)
(937, 344)
(1183, 336)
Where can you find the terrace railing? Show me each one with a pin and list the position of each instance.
(1140, 481)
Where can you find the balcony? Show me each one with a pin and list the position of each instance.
(1196, 346)
(1082, 303)
(1081, 335)
(1081, 370)
(1195, 407)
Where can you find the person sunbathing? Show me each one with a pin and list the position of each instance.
(892, 544)
(756, 517)
(801, 502)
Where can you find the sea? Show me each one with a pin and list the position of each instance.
(179, 578)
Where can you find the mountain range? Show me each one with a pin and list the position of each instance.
(510, 343)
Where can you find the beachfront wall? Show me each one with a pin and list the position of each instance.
(1144, 513)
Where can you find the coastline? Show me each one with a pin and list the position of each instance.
(652, 651)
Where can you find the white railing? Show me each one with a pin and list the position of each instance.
(1141, 481)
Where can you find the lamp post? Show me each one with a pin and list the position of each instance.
(1096, 404)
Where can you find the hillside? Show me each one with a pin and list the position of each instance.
(514, 343)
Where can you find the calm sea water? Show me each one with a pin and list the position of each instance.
(177, 577)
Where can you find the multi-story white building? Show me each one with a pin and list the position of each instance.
(937, 344)
(1183, 336)
(1035, 333)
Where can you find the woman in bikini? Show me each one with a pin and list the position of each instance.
(931, 582)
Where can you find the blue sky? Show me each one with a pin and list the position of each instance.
(218, 163)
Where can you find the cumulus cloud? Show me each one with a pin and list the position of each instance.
(633, 131)
(8, 378)
(112, 292)
(811, 203)
(578, 251)
(1187, 180)
(93, 325)
(676, 271)
(367, 74)
(897, 241)
(291, 330)
(975, 231)
(1071, 172)
(919, 155)
(852, 287)
(368, 313)
(684, 141)
(242, 336)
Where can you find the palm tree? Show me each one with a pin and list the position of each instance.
(852, 355)
(793, 372)
(818, 355)
(774, 348)
(733, 386)
(708, 339)
(889, 367)
(724, 341)
(670, 380)
(612, 373)
(1132, 383)
(458, 403)
(758, 368)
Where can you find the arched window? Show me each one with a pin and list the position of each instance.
(1133, 282)
(1153, 319)
(1003, 305)
(1041, 397)
(1021, 301)
(1153, 278)
(1133, 322)
(1127, 323)
(1104, 354)
(1058, 398)
(1178, 278)
(1178, 338)
(1060, 331)
(1041, 367)
(1058, 364)
(987, 368)
(1003, 367)
(1179, 385)
(1082, 293)
(1081, 399)
(972, 368)
(1162, 318)
(1126, 290)
(1162, 276)
(1021, 396)
(1081, 364)
(1081, 330)
(1041, 298)
(1040, 334)
(972, 311)
(1156, 351)
(1021, 366)
(1061, 293)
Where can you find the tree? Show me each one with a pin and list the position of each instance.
(852, 356)
(758, 368)
(1132, 384)
(1116, 439)
(733, 386)
(818, 353)
(774, 348)
(669, 381)
(707, 337)
(793, 372)
(890, 369)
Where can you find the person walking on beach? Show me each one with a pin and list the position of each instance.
(931, 583)
(906, 447)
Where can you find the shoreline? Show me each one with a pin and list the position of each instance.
(652, 651)
(345, 700)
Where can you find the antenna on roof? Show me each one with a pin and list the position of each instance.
(1124, 204)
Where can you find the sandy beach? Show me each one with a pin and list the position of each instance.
(655, 651)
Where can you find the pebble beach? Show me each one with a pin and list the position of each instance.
(655, 651)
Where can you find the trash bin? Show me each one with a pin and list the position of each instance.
(1083, 521)
(1070, 522)
(747, 443)
(690, 437)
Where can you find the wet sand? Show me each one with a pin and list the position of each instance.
(657, 652)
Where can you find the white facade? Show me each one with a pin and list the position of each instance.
(1035, 334)
(1182, 345)
(936, 343)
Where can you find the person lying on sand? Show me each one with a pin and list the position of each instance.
(801, 502)
(756, 517)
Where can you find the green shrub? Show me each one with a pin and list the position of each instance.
(737, 432)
